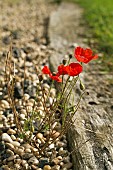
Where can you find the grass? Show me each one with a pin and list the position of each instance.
(12, 1)
(98, 15)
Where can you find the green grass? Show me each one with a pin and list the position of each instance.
(98, 15)
(12, 1)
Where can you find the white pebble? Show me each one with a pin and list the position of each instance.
(6, 138)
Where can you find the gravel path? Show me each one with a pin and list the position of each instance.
(25, 28)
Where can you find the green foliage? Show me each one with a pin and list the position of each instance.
(99, 18)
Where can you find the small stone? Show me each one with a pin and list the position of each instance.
(50, 100)
(40, 136)
(27, 155)
(16, 166)
(29, 109)
(62, 152)
(28, 50)
(4, 104)
(6, 138)
(10, 164)
(8, 151)
(18, 92)
(43, 162)
(55, 161)
(28, 150)
(52, 146)
(15, 143)
(60, 144)
(47, 167)
(55, 134)
(23, 111)
(26, 166)
(5, 167)
(6, 40)
(10, 146)
(22, 116)
(13, 137)
(26, 97)
(4, 161)
(11, 132)
(27, 146)
(19, 151)
(30, 104)
(11, 158)
(35, 167)
(33, 160)
(52, 92)
(56, 167)
(16, 52)
(46, 86)
(18, 161)
(23, 162)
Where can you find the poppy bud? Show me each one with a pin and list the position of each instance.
(82, 87)
(70, 56)
(64, 61)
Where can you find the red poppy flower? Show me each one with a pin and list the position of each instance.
(46, 70)
(84, 55)
(63, 70)
(75, 69)
(56, 78)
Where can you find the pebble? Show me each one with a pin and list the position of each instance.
(27, 155)
(55, 161)
(40, 136)
(19, 151)
(29, 109)
(35, 167)
(62, 152)
(8, 151)
(13, 137)
(59, 144)
(27, 146)
(55, 134)
(23, 111)
(47, 167)
(10, 164)
(11, 158)
(43, 162)
(18, 161)
(11, 132)
(26, 166)
(17, 166)
(26, 97)
(15, 143)
(10, 146)
(6, 138)
(56, 167)
(52, 146)
(18, 92)
(4, 104)
(33, 160)
(28, 150)
(22, 116)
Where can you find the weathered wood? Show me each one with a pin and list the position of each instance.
(90, 136)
